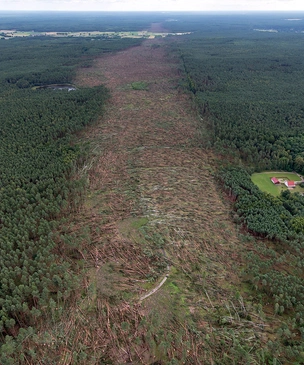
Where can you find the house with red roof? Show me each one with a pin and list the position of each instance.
(290, 184)
(275, 180)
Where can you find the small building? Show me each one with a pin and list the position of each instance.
(275, 180)
(290, 184)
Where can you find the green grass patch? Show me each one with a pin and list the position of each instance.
(263, 181)
(139, 85)
(137, 223)
(173, 288)
(131, 228)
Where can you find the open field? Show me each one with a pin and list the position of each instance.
(8, 34)
(263, 181)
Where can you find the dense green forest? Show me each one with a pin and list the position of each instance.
(43, 60)
(78, 21)
(38, 186)
(253, 88)
(226, 24)
(248, 88)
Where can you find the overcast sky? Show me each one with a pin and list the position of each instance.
(153, 5)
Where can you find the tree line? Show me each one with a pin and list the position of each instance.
(248, 89)
(38, 160)
(251, 89)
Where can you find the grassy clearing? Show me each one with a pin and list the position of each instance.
(263, 181)
(139, 85)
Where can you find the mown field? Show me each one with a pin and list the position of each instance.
(263, 181)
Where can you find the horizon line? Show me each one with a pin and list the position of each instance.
(152, 11)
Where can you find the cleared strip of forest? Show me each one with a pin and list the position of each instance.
(151, 188)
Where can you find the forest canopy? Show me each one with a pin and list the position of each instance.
(38, 161)
(248, 88)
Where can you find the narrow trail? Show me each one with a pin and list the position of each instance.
(154, 290)
(160, 284)
(148, 164)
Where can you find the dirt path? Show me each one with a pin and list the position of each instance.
(151, 188)
(155, 289)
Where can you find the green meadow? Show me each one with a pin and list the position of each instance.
(263, 181)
